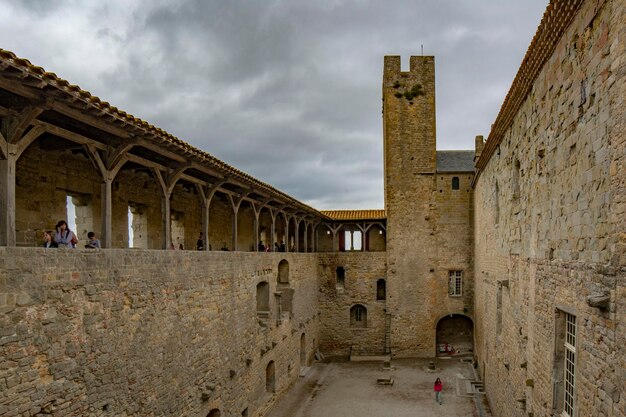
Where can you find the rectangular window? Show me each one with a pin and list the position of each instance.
(341, 277)
(455, 183)
(455, 283)
(570, 365)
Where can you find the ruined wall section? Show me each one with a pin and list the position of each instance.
(118, 332)
(362, 272)
(549, 219)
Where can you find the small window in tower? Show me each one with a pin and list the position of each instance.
(341, 277)
(455, 183)
(381, 290)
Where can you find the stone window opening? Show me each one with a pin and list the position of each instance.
(283, 272)
(70, 210)
(499, 313)
(516, 179)
(263, 299)
(455, 283)
(214, 413)
(270, 377)
(303, 355)
(340, 277)
(455, 183)
(358, 316)
(177, 232)
(381, 290)
(137, 226)
(79, 213)
(564, 372)
(497, 203)
(244, 413)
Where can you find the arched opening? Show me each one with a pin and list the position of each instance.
(281, 237)
(303, 350)
(455, 335)
(265, 230)
(291, 239)
(263, 299)
(270, 377)
(381, 290)
(358, 316)
(302, 226)
(245, 227)
(375, 239)
(325, 238)
(220, 223)
(214, 413)
(283, 272)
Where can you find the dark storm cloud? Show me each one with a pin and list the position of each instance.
(288, 91)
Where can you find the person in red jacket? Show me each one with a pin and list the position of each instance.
(438, 387)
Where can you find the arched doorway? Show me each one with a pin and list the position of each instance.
(455, 335)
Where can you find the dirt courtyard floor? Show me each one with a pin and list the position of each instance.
(350, 389)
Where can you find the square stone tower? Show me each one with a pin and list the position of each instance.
(410, 187)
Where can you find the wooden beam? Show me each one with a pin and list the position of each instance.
(28, 138)
(118, 153)
(4, 147)
(17, 125)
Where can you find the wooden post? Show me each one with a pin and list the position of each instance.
(7, 200)
(107, 213)
(13, 142)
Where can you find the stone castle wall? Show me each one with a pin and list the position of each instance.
(549, 230)
(138, 332)
(362, 272)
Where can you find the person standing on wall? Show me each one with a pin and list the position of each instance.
(64, 237)
(438, 387)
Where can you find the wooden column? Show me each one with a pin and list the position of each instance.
(206, 196)
(108, 167)
(235, 204)
(287, 248)
(273, 240)
(7, 200)
(13, 142)
(167, 187)
(297, 235)
(306, 229)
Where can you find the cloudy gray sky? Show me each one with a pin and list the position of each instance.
(286, 90)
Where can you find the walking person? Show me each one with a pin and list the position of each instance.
(438, 387)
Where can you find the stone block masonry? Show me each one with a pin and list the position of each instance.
(550, 217)
(140, 332)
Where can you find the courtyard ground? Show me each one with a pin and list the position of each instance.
(350, 389)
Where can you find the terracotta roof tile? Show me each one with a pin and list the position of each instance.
(78, 94)
(355, 214)
(556, 19)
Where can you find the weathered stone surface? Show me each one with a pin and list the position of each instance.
(168, 333)
(549, 217)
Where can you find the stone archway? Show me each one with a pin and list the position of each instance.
(455, 335)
